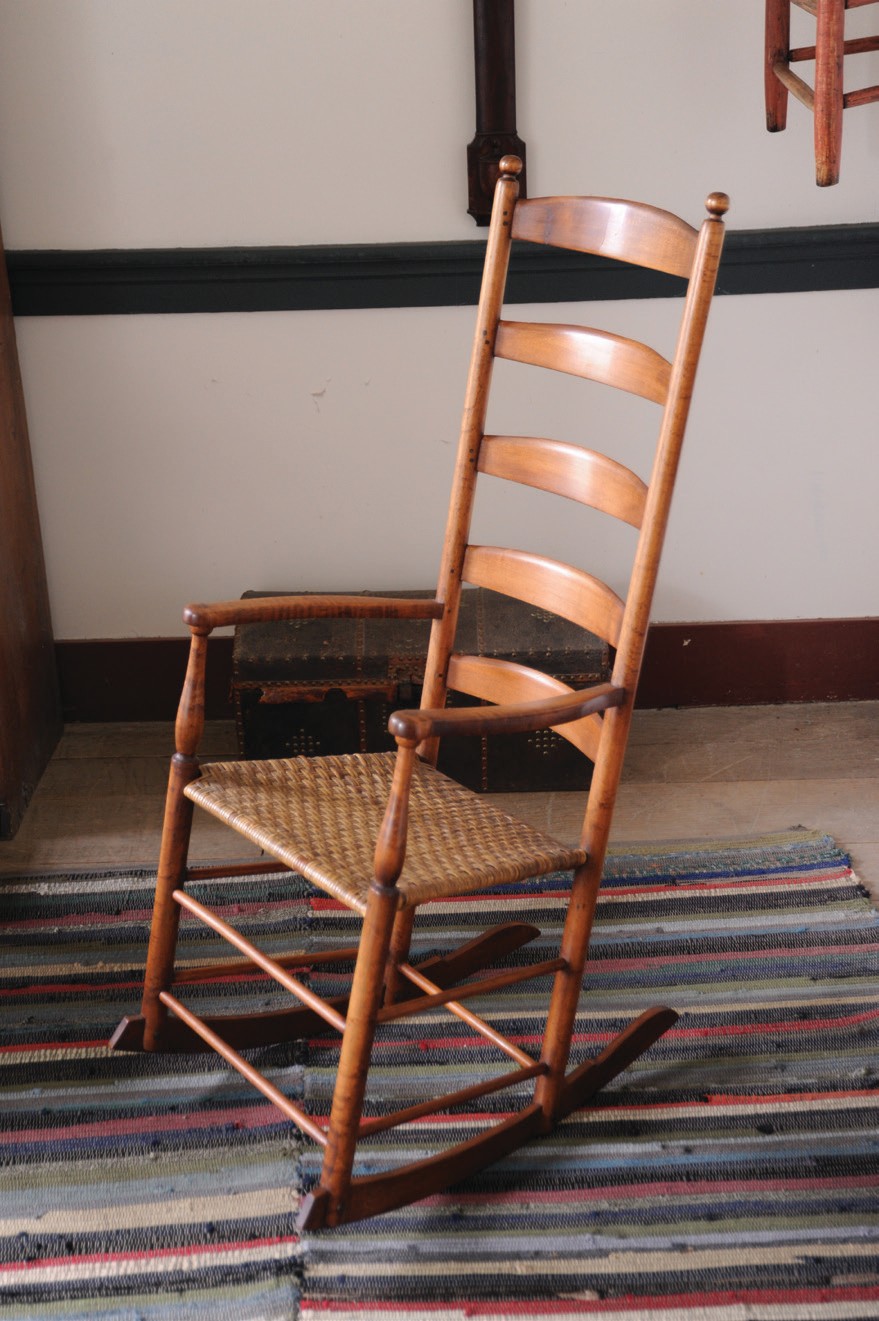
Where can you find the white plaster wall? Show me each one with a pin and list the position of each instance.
(154, 123)
(195, 456)
(189, 457)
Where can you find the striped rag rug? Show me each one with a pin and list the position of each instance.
(731, 1174)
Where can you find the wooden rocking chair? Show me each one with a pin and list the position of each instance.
(386, 832)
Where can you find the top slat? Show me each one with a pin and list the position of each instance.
(609, 227)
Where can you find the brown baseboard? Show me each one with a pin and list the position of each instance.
(739, 663)
(754, 662)
(137, 678)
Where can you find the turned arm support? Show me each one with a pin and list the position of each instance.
(264, 609)
(514, 718)
(411, 727)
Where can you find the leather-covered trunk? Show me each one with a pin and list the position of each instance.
(327, 686)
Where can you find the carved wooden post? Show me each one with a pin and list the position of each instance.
(496, 136)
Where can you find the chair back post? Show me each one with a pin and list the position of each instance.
(497, 258)
(639, 598)
(633, 635)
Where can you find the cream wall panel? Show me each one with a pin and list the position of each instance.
(196, 456)
(200, 455)
(665, 101)
(174, 123)
(187, 123)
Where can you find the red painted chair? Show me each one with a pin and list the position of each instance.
(827, 99)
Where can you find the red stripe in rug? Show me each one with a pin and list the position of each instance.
(37, 1046)
(49, 988)
(188, 1250)
(584, 1306)
(437, 1043)
(246, 1117)
(684, 1187)
(265, 1116)
(750, 882)
(321, 902)
(679, 1033)
(797, 1025)
(596, 963)
(720, 1098)
(606, 1111)
(144, 914)
(318, 902)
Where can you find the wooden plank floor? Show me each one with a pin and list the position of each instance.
(689, 774)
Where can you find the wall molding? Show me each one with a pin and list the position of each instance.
(707, 664)
(271, 279)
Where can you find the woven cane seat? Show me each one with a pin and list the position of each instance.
(321, 816)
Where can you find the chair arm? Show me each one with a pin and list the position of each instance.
(515, 718)
(263, 609)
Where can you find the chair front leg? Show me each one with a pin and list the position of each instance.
(159, 972)
(175, 845)
(366, 995)
(326, 1204)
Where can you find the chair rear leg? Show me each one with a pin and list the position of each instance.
(777, 48)
(166, 912)
(559, 1092)
(566, 987)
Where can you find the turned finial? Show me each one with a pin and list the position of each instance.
(717, 204)
(509, 167)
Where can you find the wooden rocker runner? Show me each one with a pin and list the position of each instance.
(386, 832)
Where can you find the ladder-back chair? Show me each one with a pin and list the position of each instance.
(385, 832)
(827, 98)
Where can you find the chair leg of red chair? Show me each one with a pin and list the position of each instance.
(777, 45)
(829, 54)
